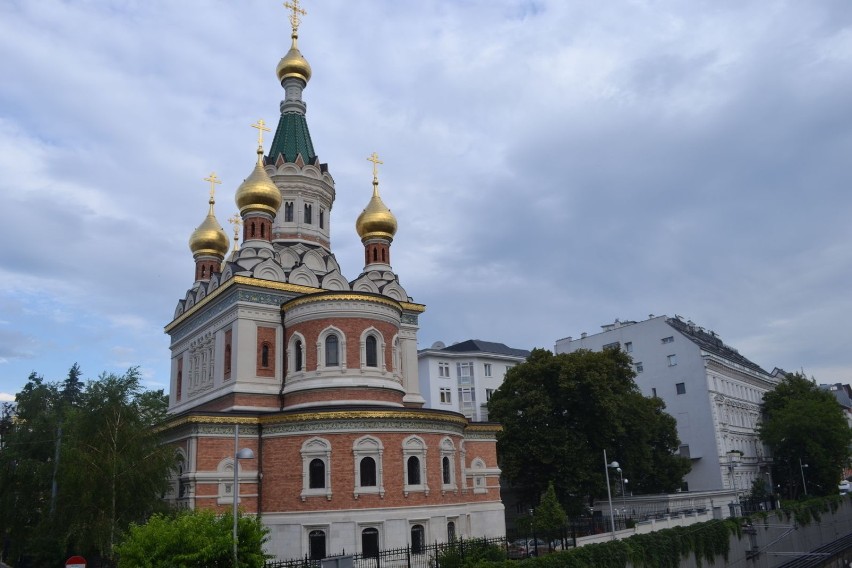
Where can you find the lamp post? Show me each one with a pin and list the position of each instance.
(608, 465)
(802, 471)
(239, 454)
(623, 504)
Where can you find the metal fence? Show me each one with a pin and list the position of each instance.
(426, 556)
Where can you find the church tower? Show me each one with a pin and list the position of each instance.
(319, 372)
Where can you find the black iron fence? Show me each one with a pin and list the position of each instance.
(424, 556)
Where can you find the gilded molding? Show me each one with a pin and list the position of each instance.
(342, 297)
(489, 427)
(412, 307)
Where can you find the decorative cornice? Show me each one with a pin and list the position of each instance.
(342, 297)
(485, 427)
(412, 307)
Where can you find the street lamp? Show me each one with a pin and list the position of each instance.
(239, 454)
(802, 470)
(608, 465)
(623, 505)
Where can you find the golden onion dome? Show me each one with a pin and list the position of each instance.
(258, 192)
(294, 64)
(209, 238)
(376, 220)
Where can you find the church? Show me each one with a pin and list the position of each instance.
(275, 351)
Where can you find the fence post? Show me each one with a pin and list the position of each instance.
(408, 555)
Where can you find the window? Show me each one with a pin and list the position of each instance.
(451, 532)
(680, 388)
(444, 370)
(264, 355)
(368, 466)
(288, 211)
(317, 474)
(683, 450)
(446, 396)
(448, 460)
(299, 356)
(308, 219)
(465, 373)
(228, 361)
(669, 339)
(418, 539)
(639, 367)
(653, 392)
(628, 346)
(322, 219)
(316, 468)
(467, 396)
(370, 542)
(332, 353)
(413, 468)
(672, 360)
(372, 357)
(367, 472)
(613, 345)
(316, 543)
(488, 369)
(446, 470)
(488, 394)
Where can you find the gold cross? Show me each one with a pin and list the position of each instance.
(213, 181)
(236, 221)
(261, 128)
(294, 17)
(375, 159)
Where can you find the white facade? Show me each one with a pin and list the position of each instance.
(712, 391)
(463, 376)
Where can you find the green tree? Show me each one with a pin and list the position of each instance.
(560, 412)
(802, 422)
(549, 516)
(198, 539)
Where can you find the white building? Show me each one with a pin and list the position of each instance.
(712, 391)
(463, 376)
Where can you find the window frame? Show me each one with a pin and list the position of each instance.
(316, 448)
(414, 446)
(368, 447)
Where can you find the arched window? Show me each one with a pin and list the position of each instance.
(227, 359)
(370, 542)
(372, 352)
(298, 360)
(252, 230)
(446, 470)
(316, 543)
(418, 539)
(263, 230)
(384, 259)
(264, 355)
(413, 470)
(368, 472)
(451, 532)
(307, 214)
(332, 352)
(288, 211)
(375, 256)
(317, 474)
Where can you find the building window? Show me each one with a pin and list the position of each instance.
(451, 532)
(372, 357)
(448, 453)
(477, 473)
(418, 539)
(322, 219)
(465, 373)
(672, 360)
(370, 542)
(316, 468)
(317, 474)
(444, 370)
(488, 394)
(228, 361)
(613, 345)
(288, 211)
(446, 396)
(446, 471)
(628, 347)
(308, 217)
(639, 367)
(298, 363)
(669, 339)
(316, 543)
(488, 369)
(264, 355)
(368, 466)
(413, 468)
(680, 388)
(332, 353)
(653, 392)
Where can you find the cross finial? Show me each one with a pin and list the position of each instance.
(261, 128)
(294, 17)
(213, 181)
(236, 221)
(376, 161)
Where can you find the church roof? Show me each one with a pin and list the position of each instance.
(292, 138)
(477, 345)
(711, 343)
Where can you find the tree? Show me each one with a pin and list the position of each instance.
(549, 516)
(560, 412)
(80, 464)
(197, 539)
(802, 422)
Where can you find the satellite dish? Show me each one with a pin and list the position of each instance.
(438, 345)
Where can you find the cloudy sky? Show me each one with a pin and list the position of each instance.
(553, 165)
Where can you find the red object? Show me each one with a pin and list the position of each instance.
(75, 562)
